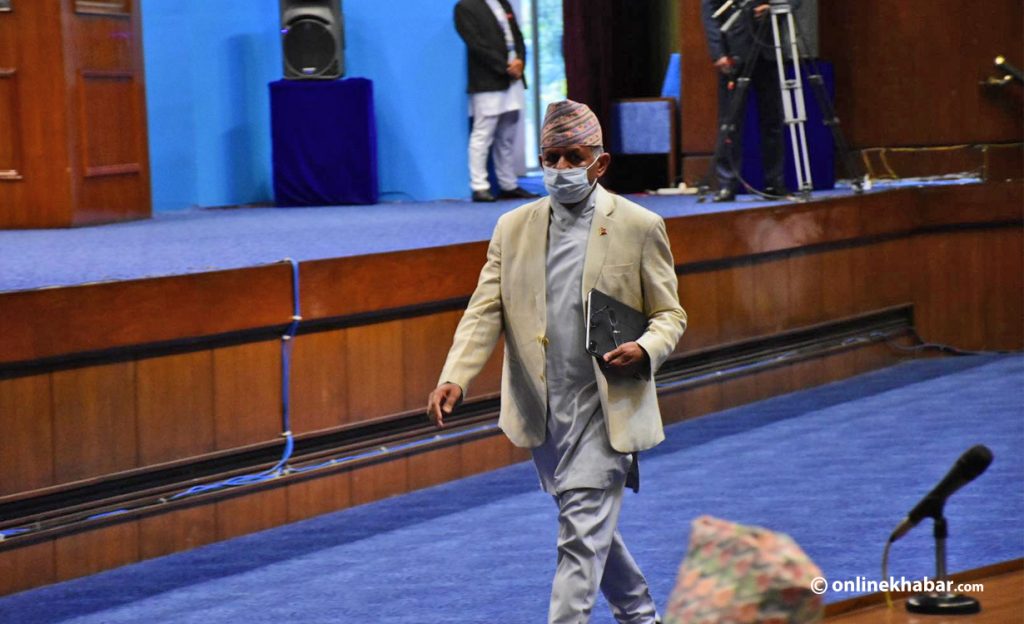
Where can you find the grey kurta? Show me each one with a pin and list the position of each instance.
(576, 452)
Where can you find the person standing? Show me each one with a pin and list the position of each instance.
(584, 418)
(496, 60)
(748, 40)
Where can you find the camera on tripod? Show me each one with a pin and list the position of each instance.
(786, 43)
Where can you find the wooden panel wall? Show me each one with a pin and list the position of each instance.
(698, 108)
(109, 137)
(73, 139)
(907, 74)
(11, 142)
(26, 449)
(45, 324)
(38, 189)
(94, 425)
(95, 420)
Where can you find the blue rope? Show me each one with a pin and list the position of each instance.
(12, 532)
(281, 467)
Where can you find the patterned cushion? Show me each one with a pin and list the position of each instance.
(740, 574)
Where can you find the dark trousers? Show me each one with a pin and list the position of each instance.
(765, 82)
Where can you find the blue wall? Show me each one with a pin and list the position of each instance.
(410, 49)
(208, 63)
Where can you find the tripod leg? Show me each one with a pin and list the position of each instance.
(851, 167)
(728, 135)
(858, 178)
(798, 97)
(792, 99)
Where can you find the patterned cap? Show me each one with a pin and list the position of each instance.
(744, 575)
(570, 123)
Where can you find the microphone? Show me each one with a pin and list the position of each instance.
(970, 465)
(1004, 66)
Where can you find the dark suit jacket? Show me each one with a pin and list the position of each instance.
(485, 43)
(740, 42)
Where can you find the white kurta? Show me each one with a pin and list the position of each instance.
(576, 453)
(493, 103)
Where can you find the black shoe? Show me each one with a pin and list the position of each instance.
(724, 195)
(517, 193)
(483, 196)
(779, 190)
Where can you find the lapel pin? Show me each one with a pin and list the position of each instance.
(604, 231)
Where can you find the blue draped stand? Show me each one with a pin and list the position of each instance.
(324, 142)
(820, 144)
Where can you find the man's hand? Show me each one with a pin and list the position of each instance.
(760, 10)
(442, 401)
(515, 68)
(626, 359)
(724, 64)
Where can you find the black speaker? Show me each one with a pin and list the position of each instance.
(312, 39)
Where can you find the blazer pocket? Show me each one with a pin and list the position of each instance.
(618, 270)
(622, 281)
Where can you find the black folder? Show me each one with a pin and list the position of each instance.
(611, 323)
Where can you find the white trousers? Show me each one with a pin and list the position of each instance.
(591, 554)
(499, 130)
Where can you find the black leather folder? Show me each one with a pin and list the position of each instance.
(611, 323)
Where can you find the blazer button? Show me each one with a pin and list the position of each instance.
(542, 377)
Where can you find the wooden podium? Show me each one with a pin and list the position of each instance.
(73, 146)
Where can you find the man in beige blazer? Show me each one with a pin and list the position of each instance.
(583, 419)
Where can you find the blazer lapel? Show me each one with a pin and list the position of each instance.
(597, 246)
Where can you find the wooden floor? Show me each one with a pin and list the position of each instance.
(1002, 602)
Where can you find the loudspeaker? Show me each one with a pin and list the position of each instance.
(312, 39)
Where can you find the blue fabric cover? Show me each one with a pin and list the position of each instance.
(324, 142)
(646, 127)
(641, 127)
(820, 146)
(673, 77)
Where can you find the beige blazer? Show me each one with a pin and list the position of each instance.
(628, 257)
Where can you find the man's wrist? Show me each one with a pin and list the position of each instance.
(452, 383)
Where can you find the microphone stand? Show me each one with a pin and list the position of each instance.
(942, 603)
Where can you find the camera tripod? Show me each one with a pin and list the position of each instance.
(791, 90)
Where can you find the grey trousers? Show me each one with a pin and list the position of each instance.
(591, 554)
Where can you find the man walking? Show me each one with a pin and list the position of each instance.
(584, 418)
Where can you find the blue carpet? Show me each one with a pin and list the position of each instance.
(193, 241)
(836, 467)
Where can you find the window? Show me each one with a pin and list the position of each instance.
(541, 24)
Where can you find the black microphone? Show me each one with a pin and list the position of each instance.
(1004, 66)
(970, 465)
